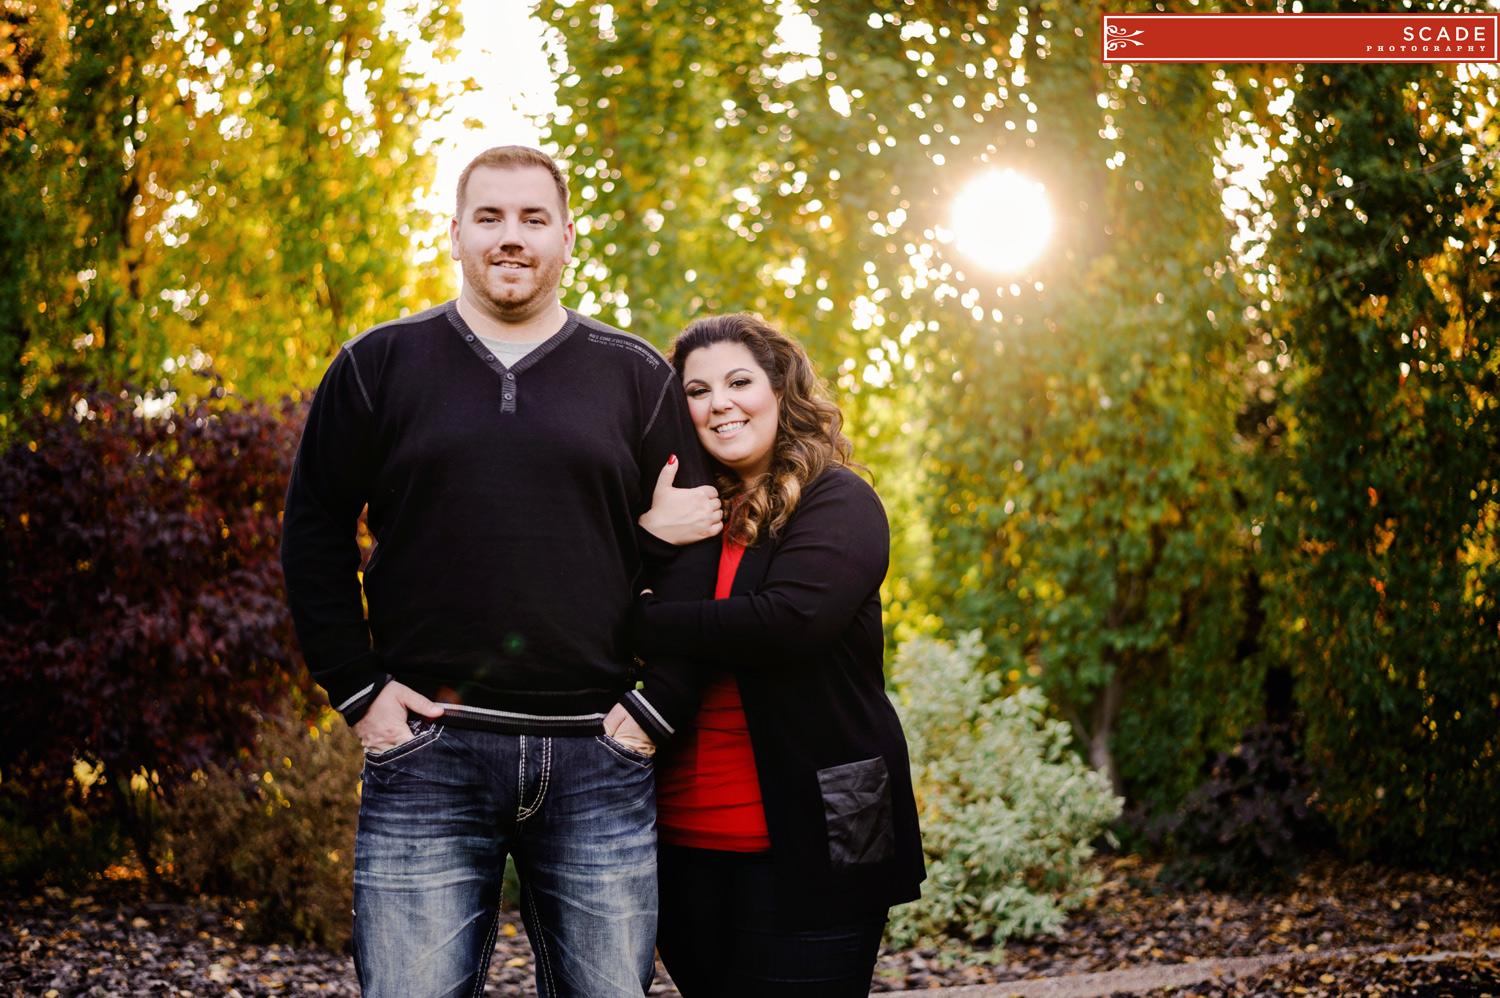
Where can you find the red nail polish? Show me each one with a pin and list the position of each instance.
(672, 459)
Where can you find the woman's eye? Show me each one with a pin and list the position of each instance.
(739, 382)
(696, 393)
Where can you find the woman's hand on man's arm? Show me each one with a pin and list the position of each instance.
(830, 561)
(682, 516)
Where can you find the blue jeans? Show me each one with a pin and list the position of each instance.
(439, 813)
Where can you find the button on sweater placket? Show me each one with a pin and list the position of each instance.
(508, 394)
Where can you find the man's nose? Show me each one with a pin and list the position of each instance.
(511, 233)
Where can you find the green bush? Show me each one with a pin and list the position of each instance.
(72, 843)
(276, 832)
(1008, 809)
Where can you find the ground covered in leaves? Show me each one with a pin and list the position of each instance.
(1409, 976)
(1134, 920)
(117, 938)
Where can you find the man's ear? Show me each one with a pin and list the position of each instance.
(453, 251)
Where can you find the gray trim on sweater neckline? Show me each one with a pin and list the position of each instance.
(511, 391)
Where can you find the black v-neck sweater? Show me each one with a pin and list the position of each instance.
(503, 502)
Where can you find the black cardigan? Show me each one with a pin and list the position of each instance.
(801, 628)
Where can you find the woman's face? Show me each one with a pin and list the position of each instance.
(733, 407)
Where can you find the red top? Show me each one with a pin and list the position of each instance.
(707, 790)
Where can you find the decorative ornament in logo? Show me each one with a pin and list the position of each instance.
(1117, 37)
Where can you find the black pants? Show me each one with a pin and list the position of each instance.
(718, 937)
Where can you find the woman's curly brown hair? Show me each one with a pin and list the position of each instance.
(809, 437)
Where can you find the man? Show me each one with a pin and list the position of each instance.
(505, 447)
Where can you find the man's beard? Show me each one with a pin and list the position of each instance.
(511, 301)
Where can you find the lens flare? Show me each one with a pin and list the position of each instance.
(1002, 220)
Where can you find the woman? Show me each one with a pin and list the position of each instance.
(786, 818)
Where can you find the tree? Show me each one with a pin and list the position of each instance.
(1122, 463)
(1086, 484)
(822, 195)
(1382, 566)
(230, 183)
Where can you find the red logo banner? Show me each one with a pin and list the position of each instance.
(1301, 38)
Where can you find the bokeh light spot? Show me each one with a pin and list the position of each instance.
(1002, 220)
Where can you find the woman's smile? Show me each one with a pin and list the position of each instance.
(733, 407)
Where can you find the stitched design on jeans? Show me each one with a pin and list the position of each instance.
(541, 793)
(624, 752)
(406, 748)
(540, 942)
(484, 962)
(521, 781)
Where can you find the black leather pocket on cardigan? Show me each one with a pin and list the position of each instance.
(857, 807)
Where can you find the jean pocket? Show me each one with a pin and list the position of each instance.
(422, 736)
(627, 753)
(857, 807)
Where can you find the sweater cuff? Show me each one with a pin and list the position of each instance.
(648, 716)
(355, 688)
(655, 552)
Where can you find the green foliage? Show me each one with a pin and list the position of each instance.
(716, 174)
(718, 171)
(1382, 554)
(1174, 455)
(233, 181)
(1083, 489)
(277, 830)
(1103, 461)
(1007, 809)
(70, 843)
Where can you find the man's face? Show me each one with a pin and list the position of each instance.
(513, 241)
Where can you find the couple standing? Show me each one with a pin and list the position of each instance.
(511, 694)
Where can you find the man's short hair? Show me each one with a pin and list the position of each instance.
(514, 158)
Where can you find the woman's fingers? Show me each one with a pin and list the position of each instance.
(665, 478)
(682, 516)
